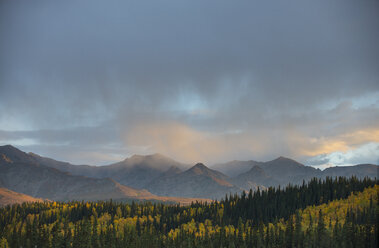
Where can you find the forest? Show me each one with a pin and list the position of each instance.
(334, 212)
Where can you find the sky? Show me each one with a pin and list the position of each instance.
(93, 82)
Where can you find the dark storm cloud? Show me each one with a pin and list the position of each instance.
(213, 69)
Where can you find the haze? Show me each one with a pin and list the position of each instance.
(91, 82)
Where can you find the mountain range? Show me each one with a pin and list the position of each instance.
(152, 177)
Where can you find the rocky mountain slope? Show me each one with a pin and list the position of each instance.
(9, 197)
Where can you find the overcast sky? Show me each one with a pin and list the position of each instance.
(93, 82)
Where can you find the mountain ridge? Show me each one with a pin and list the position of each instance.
(36, 180)
(197, 181)
(163, 176)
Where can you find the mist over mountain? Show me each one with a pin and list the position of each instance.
(235, 167)
(136, 171)
(153, 177)
(22, 172)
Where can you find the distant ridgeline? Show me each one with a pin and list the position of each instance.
(340, 212)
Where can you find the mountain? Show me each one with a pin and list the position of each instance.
(278, 167)
(158, 174)
(9, 197)
(146, 177)
(198, 181)
(235, 167)
(282, 171)
(20, 172)
(137, 171)
(40, 181)
(11, 154)
(360, 171)
(254, 178)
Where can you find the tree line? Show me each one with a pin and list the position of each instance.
(334, 212)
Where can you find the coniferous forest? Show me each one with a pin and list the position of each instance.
(335, 212)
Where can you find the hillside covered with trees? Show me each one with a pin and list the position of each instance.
(337, 212)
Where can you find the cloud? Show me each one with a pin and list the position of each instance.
(187, 144)
(221, 80)
(342, 142)
(367, 153)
